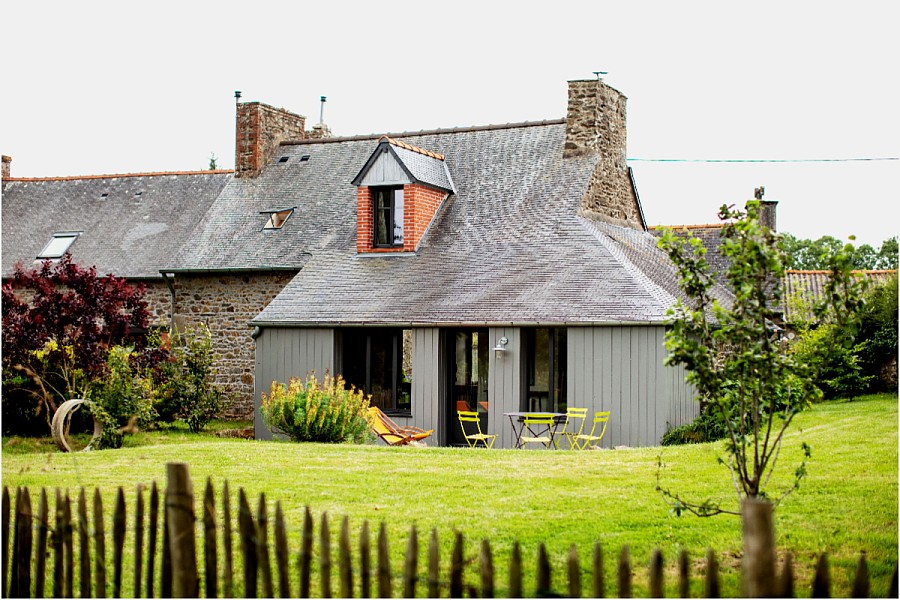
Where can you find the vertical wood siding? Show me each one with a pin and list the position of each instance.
(504, 383)
(385, 171)
(620, 369)
(426, 382)
(282, 353)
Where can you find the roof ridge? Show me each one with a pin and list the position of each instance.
(699, 226)
(826, 271)
(114, 175)
(411, 148)
(377, 136)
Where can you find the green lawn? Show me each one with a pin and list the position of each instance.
(847, 504)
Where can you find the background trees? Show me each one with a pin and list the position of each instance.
(812, 255)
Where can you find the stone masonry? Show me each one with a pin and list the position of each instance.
(260, 128)
(226, 303)
(595, 124)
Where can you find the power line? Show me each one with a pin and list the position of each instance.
(761, 160)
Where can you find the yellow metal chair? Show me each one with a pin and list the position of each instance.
(473, 439)
(589, 440)
(537, 429)
(574, 417)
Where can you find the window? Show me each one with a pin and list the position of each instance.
(388, 216)
(545, 368)
(57, 246)
(379, 362)
(277, 218)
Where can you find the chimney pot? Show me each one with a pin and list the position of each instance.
(7, 162)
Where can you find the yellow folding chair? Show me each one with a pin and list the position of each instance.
(589, 440)
(537, 429)
(575, 417)
(478, 437)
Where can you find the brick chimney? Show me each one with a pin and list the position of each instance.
(260, 128)
(7, 162)
(595, 125)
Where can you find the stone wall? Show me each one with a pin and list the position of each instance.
(260, 128)
(595, 124)
(226, 303)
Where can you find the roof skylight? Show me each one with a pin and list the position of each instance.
(58, 245)
(277, 218)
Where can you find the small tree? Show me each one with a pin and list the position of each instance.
(739, 363)
(59, 321)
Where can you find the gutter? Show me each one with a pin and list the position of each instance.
(263, 269)
(419, 324)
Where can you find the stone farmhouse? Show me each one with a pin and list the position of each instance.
(498, 268)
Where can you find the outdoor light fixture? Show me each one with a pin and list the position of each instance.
(500, 348)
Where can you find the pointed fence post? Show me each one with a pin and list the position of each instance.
(599, 585)
(786, 581)
(69, 547)
(43, 529)
(84, 538)
(515, 571)
(138, 539)
(22, 545)
(623, 573)
(182, 537)
(712, 587)
(544, 585)
(153, 530)
(758, 567)
(262, 547)
(574, 573)
(365, 562)
(118, 542)
(281, 553)
(456, 567)
(228, 575)
(684, 575)
(210, 562)
(861, 580)
(247, 529)
(434, 566)
(487, 570)
(411, 565)
(384, 565)
(656, 574)
(345, 560)
(4, 552)
(325, 556)
(304, 559)
(822, 582)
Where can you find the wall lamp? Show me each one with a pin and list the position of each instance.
(500, 348)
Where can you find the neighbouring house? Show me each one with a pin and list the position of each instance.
(498, 268)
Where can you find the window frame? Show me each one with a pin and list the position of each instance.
(272, 224)
(390, 209)
(45, 255)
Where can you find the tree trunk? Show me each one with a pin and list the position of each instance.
(759, 548)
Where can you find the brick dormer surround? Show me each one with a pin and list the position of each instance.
(421, 203)
(424, 179)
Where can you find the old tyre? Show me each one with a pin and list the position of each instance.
(62, 419)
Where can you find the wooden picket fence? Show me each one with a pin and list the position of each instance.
(38, 535)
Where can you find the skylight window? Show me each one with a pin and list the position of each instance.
(304, 158)
(58, 245)
(277, 218)
(284, 159)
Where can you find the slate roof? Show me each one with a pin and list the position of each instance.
(131, 231)
(507, 248)
(711, 236)
(809, 287)
(423, 166)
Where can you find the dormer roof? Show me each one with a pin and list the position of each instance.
(396, 163)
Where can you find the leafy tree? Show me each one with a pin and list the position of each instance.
(812, 255)
(735, 357)
(878, 336)
(59, 321)
(212, 161)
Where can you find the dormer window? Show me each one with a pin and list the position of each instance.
(399, 191)
(388, 216)
(277, 218)
(58, 245)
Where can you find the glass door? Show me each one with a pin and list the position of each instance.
(545, 368)
(468, 353)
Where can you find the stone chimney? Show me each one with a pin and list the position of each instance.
(7, 162)
(595, 125)
(767, 213)
(260, 128)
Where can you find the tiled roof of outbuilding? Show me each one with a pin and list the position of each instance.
(131, 223)
(508, 247)
(802, 289)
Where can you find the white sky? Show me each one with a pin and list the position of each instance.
(110, 87)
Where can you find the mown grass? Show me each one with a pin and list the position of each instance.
(846, 505)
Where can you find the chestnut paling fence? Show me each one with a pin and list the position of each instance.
(43, 559)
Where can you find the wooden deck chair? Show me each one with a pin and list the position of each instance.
(589, 440)
(477, 437)
(537, 429)
(393, 434)
(573, 426)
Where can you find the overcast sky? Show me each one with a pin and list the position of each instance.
(113, 87)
